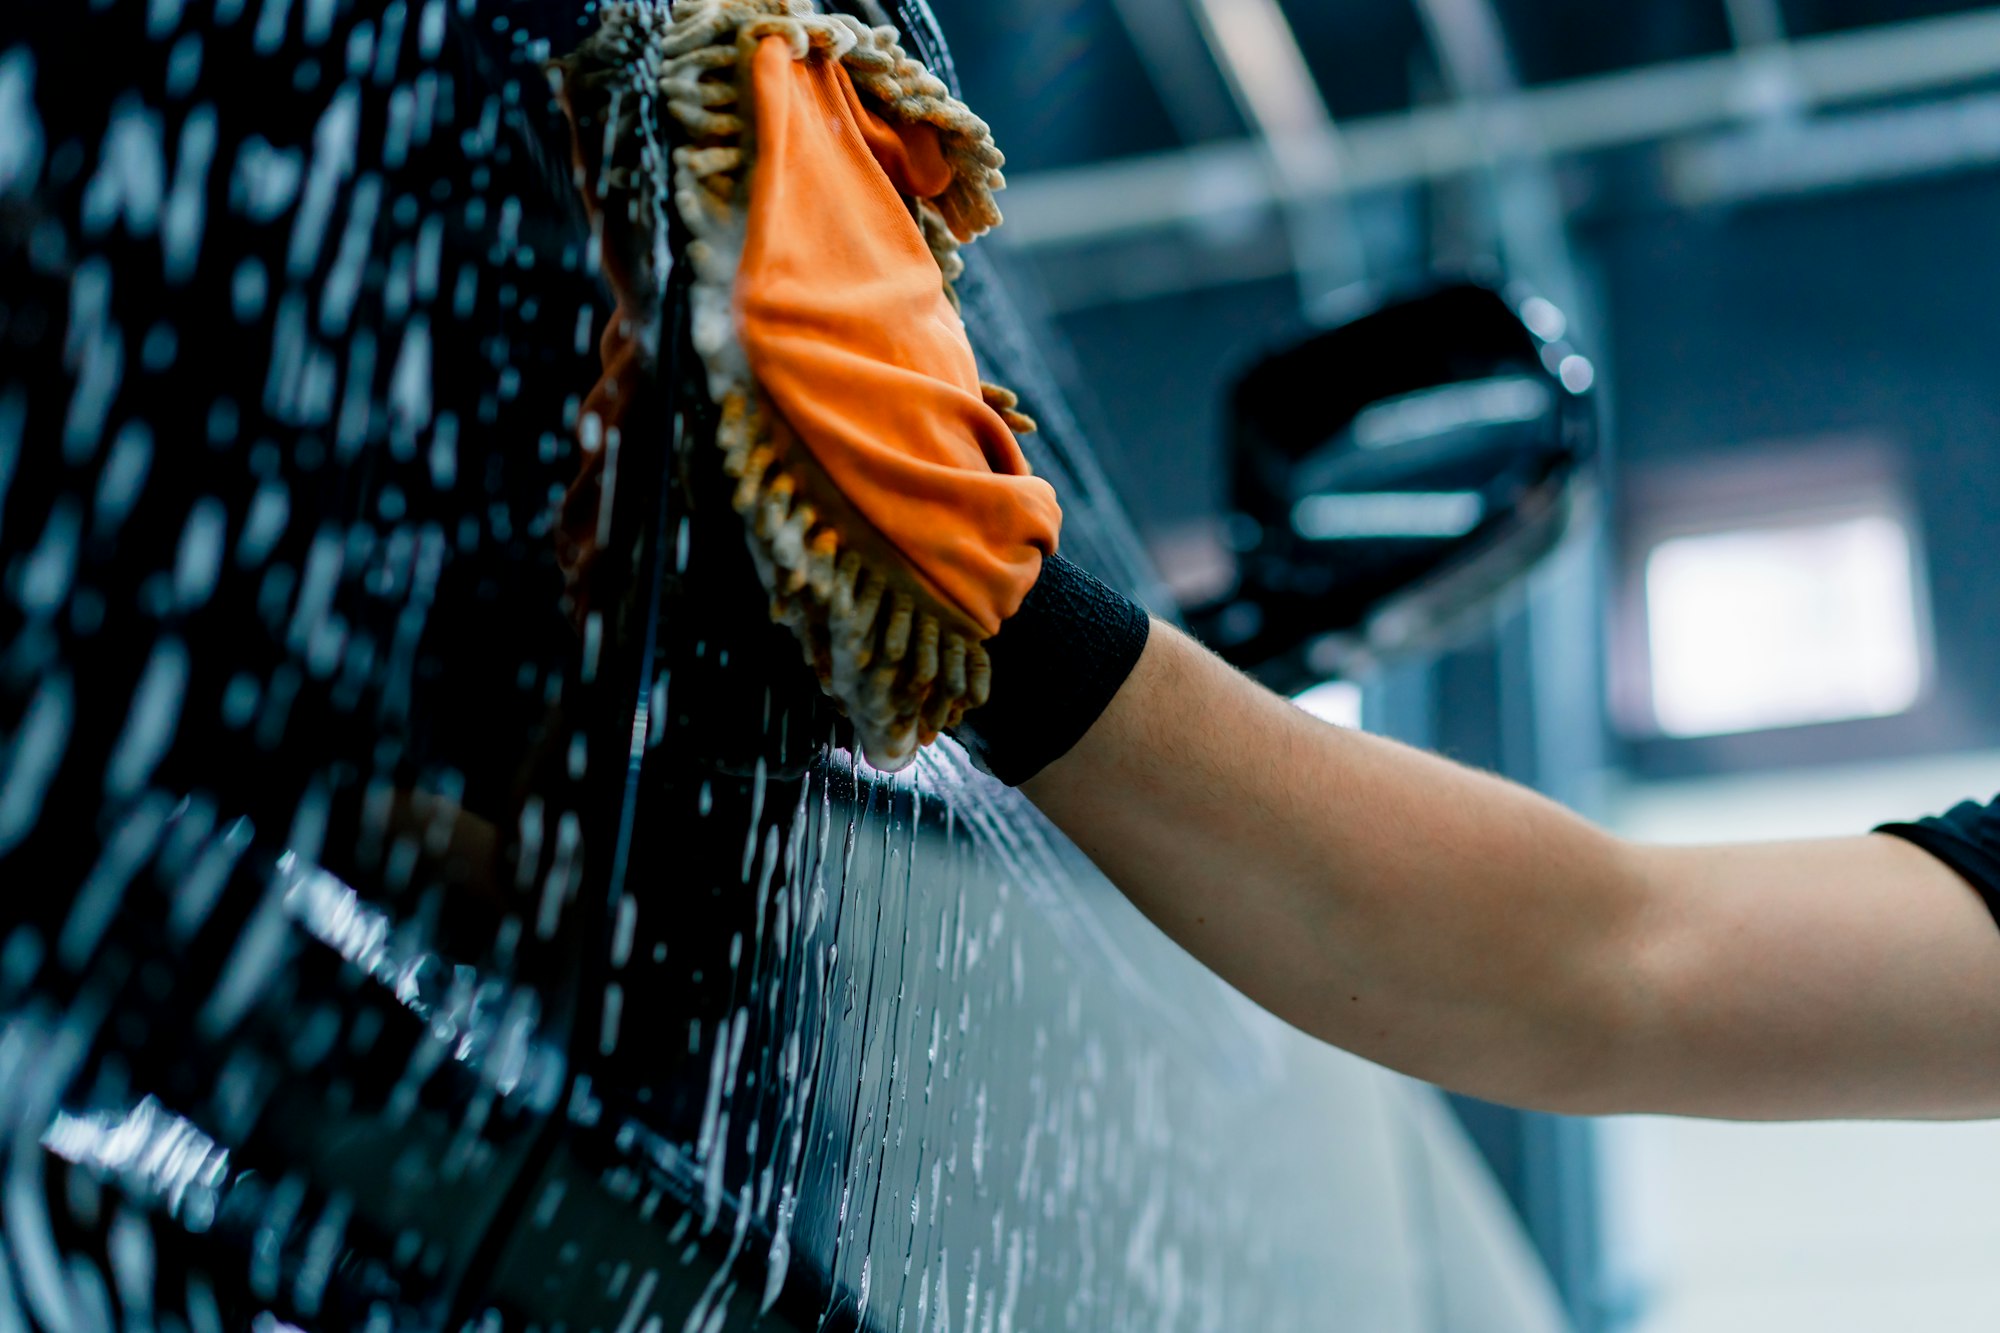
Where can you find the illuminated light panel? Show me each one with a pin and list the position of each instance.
(1370, 515)
(1752, 630)
(1427, 413)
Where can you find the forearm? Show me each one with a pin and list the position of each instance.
(1851, 978)
(1437, 920)
(1465, 930)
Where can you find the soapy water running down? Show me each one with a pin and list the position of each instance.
(398, 933)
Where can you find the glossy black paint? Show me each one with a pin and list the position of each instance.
(385, 946)
(1443, 405)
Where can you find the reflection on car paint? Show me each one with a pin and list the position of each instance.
(381, 947)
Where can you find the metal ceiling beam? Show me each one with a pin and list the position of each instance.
(1257, 52)
(1769, 87)
(1182, 70)
(1845, 151)
(1526, 208)
(1216, 185)
(1755, 23)
(1471, 47)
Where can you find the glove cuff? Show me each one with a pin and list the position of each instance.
(1057, 662)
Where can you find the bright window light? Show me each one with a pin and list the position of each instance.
(1756, 629)
(1335, 701)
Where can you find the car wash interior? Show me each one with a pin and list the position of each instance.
(435, 894)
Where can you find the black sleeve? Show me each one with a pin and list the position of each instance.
(1056, 665)
(1967, 840)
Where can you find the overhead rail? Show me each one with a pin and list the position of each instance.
(1215, 184)
(1181, 66)
(1254, 47)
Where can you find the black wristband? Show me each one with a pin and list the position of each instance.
(1057, 662)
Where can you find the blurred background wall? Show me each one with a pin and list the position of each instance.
(1770, 225)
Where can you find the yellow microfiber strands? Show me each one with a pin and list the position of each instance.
(826, 180)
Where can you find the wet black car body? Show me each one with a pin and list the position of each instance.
(383, 946)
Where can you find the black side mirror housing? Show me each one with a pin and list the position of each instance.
(1395, 474)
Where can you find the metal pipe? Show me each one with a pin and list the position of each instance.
(1218, 182)
(1181, 68)
(1258, 53)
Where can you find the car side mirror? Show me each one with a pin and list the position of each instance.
(1392, 476)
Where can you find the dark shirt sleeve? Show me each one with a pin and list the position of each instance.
(1967, 840)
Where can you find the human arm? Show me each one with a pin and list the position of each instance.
(1464, 930)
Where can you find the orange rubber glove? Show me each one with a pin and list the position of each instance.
(844, 317)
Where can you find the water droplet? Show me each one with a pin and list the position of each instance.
(21, 147)
(187, 202)
(96, 348)
(184, 66)
(410, 388)
(50, 569)
(465, 292)
(444, 452)
(124, 476)
(130, 182)
(391, 47)
(13, 421)
(28, 765)
(334, 147)
(271, 21)
(162, 17)
(357, 408)
(196, 895)
(158, 351)
(270, 510)
(248, 290)
(343, 281)
(614, 1011)
(265, 180)
(430, 29)
(96, 902)
(151, 722)
(322, 575)
(199, 562)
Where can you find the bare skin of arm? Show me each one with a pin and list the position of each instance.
(1466, 931)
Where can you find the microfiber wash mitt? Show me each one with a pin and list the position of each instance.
(825, 181)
